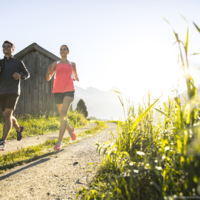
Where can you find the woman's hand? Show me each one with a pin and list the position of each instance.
(76, 77)
(50, 69)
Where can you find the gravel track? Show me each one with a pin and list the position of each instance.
(57, 176)
(13, 145)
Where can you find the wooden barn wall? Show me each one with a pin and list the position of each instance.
(36, 96)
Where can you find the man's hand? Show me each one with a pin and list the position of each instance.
(16, 76)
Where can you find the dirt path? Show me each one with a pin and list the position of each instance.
(55, 177)
(13, 145)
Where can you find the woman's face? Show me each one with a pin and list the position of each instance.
(63, 51)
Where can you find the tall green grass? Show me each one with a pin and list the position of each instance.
(39, 125)
(153, 159)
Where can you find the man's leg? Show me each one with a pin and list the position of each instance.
(63, 116)
(8, 122)
(15, 123)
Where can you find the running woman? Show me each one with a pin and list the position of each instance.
(11, 71)
(63, 89)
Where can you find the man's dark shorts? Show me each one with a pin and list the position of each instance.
(8, 101)
(60, 96)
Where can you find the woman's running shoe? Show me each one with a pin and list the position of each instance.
(19, 133)
(2, 145)
(58, 147)
(73, 136)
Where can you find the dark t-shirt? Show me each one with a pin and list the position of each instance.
(8, 85)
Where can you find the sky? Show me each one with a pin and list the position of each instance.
(123, 44)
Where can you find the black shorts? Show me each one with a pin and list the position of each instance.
(60, 96)
(8, 101)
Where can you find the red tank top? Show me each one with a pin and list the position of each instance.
(63, 78)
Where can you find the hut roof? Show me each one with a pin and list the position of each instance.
(36, 47)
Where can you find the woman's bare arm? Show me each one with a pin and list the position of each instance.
(75, 71)
(50, 71)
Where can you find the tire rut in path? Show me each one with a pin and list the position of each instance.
(57, 176)
(13, 145)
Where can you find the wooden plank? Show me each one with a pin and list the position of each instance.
(49, 97)
(39, 82)
(43, 63)
(36, 84)
(26, 85)
(46, 99)
(31, 83)
(21, 98)
(47, 89)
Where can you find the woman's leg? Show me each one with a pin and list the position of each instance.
(59, 107)
(63, 116)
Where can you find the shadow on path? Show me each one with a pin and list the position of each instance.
(28, 166)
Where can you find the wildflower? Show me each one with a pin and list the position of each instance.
(131, 164)
(163, 157)
(140, 153)
(166, 148)
(158, 168)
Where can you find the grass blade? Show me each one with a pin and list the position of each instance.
(183, 18)
(116, 91)
(186, 42)
(144, 113)
(198, 29)
(160, 111)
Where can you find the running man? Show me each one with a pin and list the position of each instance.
(11, 71)
(63, 89)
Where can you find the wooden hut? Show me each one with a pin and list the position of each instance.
(36, 96)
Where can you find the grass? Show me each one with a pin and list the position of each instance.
(40, 125)
(153, 160)
(26, 155)
(114, 121)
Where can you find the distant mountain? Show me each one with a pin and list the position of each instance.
(100, 104)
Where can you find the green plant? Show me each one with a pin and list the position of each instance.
(149, 160)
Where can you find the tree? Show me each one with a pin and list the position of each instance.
(81, 108)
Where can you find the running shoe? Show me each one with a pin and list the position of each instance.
(73, 136)
(19, 133)
(58, 147)
(2, 145)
